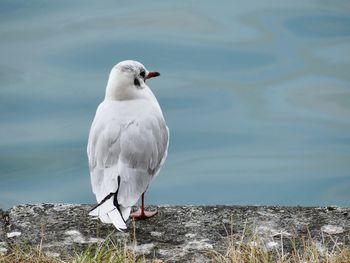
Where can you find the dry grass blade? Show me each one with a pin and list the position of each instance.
(27, 255)
(109, 251)
(251, 249)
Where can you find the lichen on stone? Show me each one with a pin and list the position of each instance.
(13, 234)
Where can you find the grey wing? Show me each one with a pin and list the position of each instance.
(144, 147)
(104, 143)
(134, 151)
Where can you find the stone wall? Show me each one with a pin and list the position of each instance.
(177, 233)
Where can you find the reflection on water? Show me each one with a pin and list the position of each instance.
(256, 96)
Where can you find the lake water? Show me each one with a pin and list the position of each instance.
(256, 95)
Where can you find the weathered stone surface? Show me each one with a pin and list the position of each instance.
(177, 233)
(2, 226)
(3, 243)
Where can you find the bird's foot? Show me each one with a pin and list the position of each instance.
(140, 215)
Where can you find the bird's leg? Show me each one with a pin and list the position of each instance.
(141, 213)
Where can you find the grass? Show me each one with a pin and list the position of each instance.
(244, 248)
(108, 251)
(20, 255)
(252, 250)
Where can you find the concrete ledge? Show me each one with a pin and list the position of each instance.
(177, 233)
(3, 241)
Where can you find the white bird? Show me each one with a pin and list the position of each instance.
(128, 144)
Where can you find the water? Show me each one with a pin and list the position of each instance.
(256, 95)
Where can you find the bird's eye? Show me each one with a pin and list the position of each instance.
(143, 74)
(136, 82)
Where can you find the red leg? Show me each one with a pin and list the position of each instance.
(141, 213)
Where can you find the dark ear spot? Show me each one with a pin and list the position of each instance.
(136, 82)
(143, 73)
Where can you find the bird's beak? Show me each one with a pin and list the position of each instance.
(152, 74)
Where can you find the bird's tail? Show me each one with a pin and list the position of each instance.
(109, 213)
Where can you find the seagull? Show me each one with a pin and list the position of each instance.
(127, 146)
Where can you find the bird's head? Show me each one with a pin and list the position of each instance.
(127, 80)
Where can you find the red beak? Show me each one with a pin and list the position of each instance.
(152, 74)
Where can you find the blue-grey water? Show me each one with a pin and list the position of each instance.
(256, 95)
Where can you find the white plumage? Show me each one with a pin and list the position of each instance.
(127, 144)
